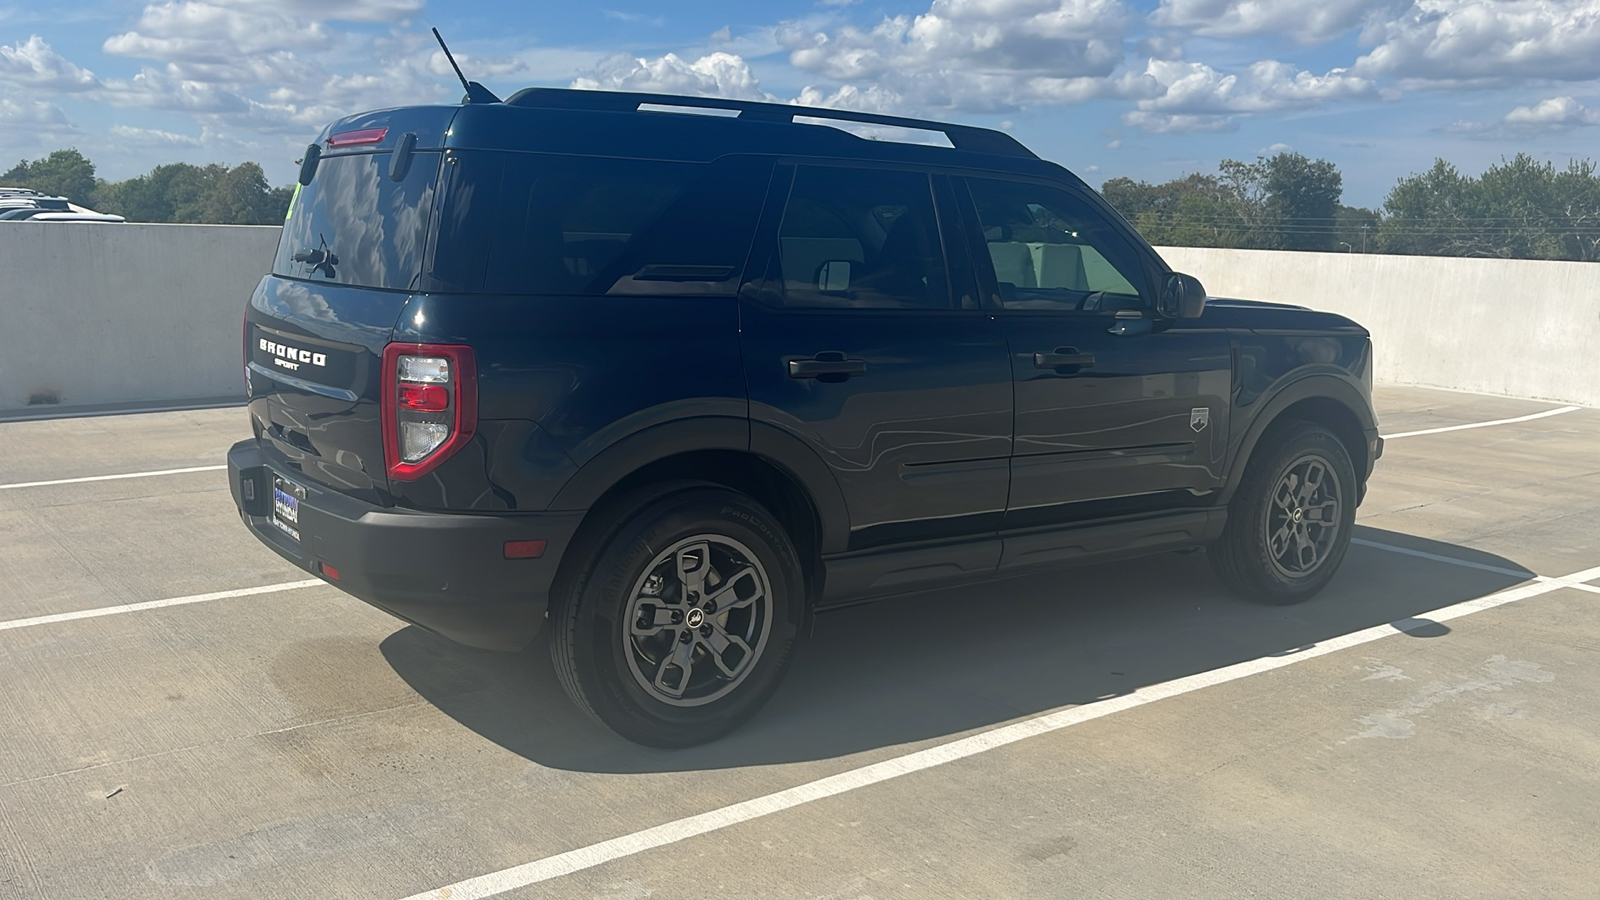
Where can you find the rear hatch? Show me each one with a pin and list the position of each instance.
(350, 255)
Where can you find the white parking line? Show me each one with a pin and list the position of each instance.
(28, 484)
(1538, 415)
(1499, 570)
(157, 604)
(682, 829)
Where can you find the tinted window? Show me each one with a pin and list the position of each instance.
(524, 223)
(861, 238)
(1052, 250)
(353, 225)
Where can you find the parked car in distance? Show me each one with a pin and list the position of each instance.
(666, 384)
(52, 216)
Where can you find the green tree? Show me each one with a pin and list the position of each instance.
(64, 173)
(1303, 200)
(1517, 209)
(1356, 229)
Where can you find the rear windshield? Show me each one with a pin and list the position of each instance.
(528, 223)
(354, 225)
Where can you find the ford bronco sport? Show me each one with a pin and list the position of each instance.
(665, 383)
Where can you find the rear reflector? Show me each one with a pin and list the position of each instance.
(328, 572)
(525, 549)
(356, 138)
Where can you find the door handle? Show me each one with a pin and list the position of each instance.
(829, 365)
(1063, 358)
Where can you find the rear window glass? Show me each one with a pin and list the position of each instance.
(526, 223)
(354, 225)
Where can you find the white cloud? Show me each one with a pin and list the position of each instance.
(974, 54)
(215, 40)
(1455, 43)
(1307, 21)
(32, 64)
(1552, 114)
(33, 113)
(338, 10)
(713, 75)
(153, 137)
(1195, 97)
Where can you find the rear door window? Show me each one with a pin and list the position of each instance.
(863, 238)
(526, 223)
(354, 225)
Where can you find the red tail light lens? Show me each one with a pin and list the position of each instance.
(423, 397)
(430, 405)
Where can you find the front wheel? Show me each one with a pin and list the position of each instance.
(684, 622)
(1291, 521)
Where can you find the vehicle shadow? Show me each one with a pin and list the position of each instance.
(936, 664)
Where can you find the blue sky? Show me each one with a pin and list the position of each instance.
(1151, 89)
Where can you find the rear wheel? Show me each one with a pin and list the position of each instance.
(684, 622)
(1291, 521)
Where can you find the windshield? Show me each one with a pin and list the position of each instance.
(354, 225)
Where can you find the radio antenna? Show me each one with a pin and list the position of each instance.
(476, 93)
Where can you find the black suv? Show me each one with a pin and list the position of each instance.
(672, 373)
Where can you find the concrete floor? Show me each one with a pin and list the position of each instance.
(299, 742)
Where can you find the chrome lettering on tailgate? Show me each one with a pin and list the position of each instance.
(292, 358)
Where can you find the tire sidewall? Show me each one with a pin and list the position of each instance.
(601, 657)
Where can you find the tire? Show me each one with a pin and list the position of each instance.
(683, 624)
(1277, 547)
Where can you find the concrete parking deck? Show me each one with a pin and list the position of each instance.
(1428, 727)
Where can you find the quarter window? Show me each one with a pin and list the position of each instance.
(861, 238)
(528, 223)
(1052, 250)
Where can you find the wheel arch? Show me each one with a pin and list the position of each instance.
(1327, 400)
(812, 513)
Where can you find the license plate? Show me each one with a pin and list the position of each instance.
(286, 499)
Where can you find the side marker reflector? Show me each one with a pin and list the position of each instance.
(525, 549)
(328, 572)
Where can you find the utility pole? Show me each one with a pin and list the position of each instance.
(1364, 227)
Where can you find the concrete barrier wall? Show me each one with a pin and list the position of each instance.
(93, 315)
(1520, 328)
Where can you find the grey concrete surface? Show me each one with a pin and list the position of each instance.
(149, 313)
(303, 743)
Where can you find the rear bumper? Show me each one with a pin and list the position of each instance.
(446, 573)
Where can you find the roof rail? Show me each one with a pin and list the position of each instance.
(962, 137)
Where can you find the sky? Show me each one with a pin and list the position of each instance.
(1150, 89)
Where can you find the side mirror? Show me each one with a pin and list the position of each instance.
(308, 164)
(833, 276)
(1183, 297)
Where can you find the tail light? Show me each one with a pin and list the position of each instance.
(430, 405)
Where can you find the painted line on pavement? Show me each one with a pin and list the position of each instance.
(158, 604)
(1538, 415)
(1498, 570)
(89, 478)
(578, 860)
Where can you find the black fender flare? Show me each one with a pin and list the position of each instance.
(1342, 389)
(788, 453)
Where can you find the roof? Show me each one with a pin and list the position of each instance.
(962, 137)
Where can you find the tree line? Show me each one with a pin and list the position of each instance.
(1517, 209)
(177, 192)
